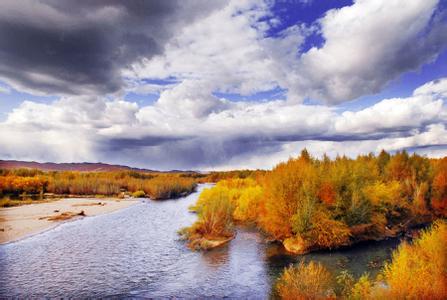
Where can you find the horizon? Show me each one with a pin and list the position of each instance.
(198, 85)
(204, 171)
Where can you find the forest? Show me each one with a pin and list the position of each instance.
(310, 204)
(31, 183)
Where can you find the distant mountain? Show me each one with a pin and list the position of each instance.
(85, 166)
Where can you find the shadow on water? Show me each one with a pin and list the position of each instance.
(136, 253)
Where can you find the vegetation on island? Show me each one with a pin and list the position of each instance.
(418, 270)
(27, 183)
(309, 204)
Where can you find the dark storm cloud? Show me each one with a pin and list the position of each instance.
(80, 47)
(115, 144)
(426, 147)
(191, 153)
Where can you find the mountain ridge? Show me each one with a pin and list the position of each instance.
(83, 166)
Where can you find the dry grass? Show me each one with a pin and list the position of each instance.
(7, 202)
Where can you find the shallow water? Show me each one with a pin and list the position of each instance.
(135, 253)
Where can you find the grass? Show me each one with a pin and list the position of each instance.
(7, 202)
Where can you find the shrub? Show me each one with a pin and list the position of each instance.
(328, 233)
(305, 281)
(362, 289)
(419, 270)
(215, 221)
(138, 194)
(215, 218)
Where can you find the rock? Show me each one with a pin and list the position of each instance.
(296, 245)
(208, 244)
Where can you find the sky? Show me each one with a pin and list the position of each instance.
(218, 85)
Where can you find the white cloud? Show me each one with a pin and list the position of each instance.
(367, 45)
(184, 130)
(227, 49)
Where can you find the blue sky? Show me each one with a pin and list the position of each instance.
(222, 84)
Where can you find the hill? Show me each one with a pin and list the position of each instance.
(84, 166)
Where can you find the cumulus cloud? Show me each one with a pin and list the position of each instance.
(220, 133)
(367, 45)
(226, 50)
(86, 47)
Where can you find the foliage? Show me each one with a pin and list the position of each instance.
(236, 174)
(419, 270)
(305, 281)
(362, 289)
(138, 194)
(326, 232)
(328, 203)
(290, 189)
(215, 219)
(156, 185)
(439, 200)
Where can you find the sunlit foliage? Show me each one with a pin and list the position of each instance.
(305, 281)
(215, 219)
(419, 270)
(156, 186)
(439, 200)
(315, 204)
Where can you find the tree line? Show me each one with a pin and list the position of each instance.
(154, 185)
(308, 203)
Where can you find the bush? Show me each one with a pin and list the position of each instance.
(215, 220)
(305, 281)
(362, 289)
(138, 194)
(419, 270)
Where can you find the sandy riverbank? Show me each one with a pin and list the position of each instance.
(21, 221)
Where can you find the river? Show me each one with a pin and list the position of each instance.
(136, 253)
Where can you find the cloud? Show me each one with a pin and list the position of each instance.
(229, 50)
(92, 53)
(66, 47)
(218, 134)
(96, 48)
(367, 45)
(5, 89)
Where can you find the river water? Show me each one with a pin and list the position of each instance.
(136, 253)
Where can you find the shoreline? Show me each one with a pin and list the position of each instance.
(20, 222)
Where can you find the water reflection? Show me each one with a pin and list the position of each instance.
(216, 258)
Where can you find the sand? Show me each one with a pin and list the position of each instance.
(26, 220)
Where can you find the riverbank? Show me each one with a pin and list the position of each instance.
(139, 251)
(22, 221)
